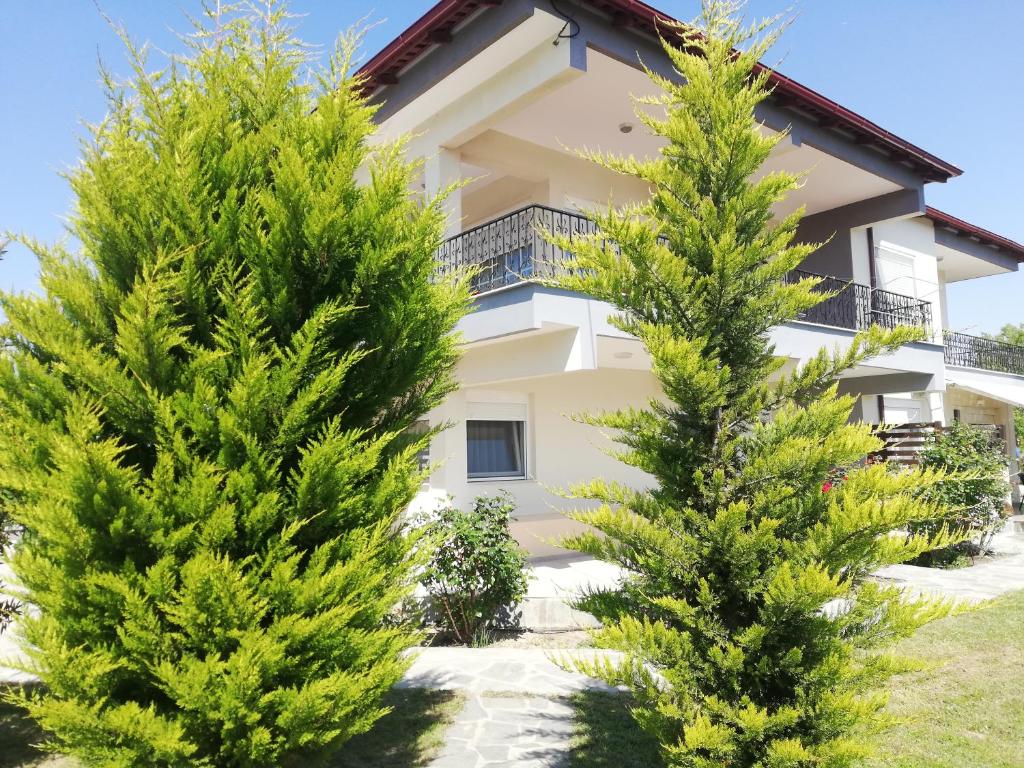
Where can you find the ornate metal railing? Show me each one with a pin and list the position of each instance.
(890, 309)
(850, 307)
(975, 352)
(510, 250)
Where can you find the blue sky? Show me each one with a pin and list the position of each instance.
(943, 74)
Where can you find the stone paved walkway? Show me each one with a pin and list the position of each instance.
(516, 713)
(989, 578)
(527, 671)
(525, 731)
(975, 584)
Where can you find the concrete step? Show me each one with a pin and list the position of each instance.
(553, 614)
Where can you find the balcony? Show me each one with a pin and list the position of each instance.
(858, 306)
(510, 250)
(966, 351)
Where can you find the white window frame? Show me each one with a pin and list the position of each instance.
(506, 411)
(423, 455)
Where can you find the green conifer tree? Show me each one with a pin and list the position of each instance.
(751, 635)
(204, 421)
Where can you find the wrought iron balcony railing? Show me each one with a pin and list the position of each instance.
(510, 250)
(858, 306)
(975, 352)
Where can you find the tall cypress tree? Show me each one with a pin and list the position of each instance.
(751, 633)
(204, 420)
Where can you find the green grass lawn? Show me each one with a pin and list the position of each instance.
(606, 735)
(409, 736)
(967, 709)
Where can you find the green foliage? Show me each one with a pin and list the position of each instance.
(204, 419)
(1013, 334)
(9, 608)
(476, 568)
(751, 633)
(975, 491)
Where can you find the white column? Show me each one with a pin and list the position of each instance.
(937, 407)
(869, 409)
(442, 168)
(861, 257)
(557, 194)
(1011, 455)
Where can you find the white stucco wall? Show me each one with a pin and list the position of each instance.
(910, 242)
(559, 451)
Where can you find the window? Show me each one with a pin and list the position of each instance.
(420, 427)
(496, 449)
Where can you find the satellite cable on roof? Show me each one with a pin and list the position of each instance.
(570, 29)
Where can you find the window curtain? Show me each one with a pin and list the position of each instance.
(495, 449)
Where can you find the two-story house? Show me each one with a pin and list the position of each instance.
(499, 91)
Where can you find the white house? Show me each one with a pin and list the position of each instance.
(497, 91)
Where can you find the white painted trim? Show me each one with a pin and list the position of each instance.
(500, 411)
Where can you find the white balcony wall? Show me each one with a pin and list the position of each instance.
(861, 256)
(906, 263)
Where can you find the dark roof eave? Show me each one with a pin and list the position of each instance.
(383, 69)
(983, 236)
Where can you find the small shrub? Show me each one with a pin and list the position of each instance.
(477, 568)
(974, 493)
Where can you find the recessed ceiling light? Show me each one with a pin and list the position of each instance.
(625, 127)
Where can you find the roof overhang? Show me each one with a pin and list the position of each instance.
(1003, 387)
(438, 25)
(961, 235)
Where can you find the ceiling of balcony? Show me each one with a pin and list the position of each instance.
(587, 112)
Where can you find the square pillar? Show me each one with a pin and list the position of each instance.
(442, 168)
(937, 408)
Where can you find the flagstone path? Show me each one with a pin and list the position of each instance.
(989, 578)
(977, 583)
(516, 713)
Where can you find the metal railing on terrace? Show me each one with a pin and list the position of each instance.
(510, 250)
(976, 352)
(858, 306)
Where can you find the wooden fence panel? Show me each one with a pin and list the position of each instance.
(903, 443)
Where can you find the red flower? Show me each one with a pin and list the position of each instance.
(826, 486)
